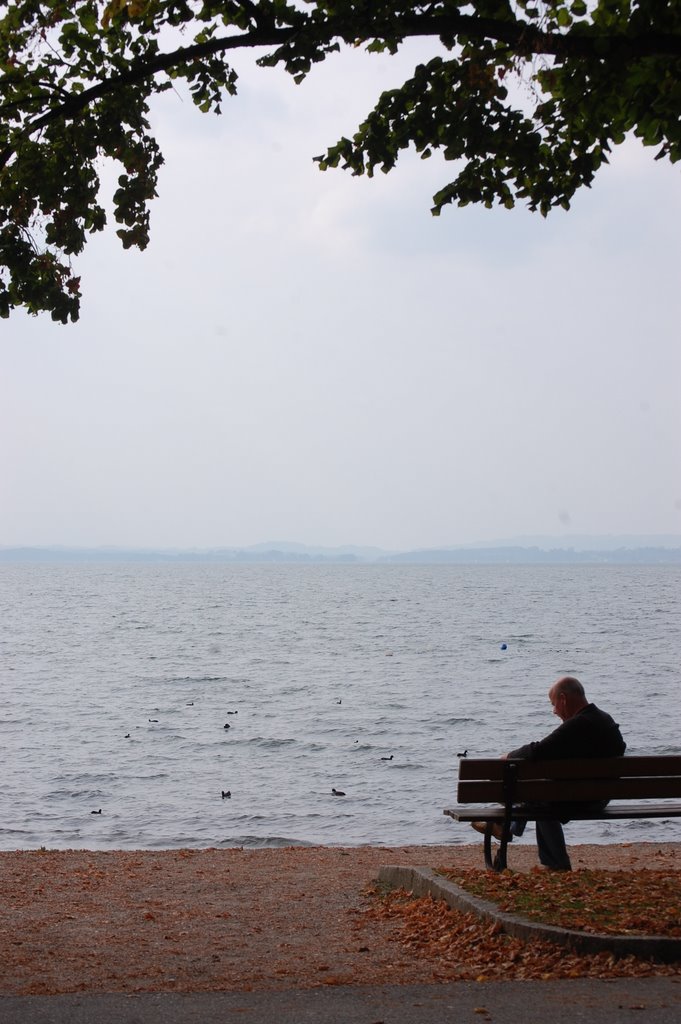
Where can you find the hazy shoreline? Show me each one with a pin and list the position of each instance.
(299, 555)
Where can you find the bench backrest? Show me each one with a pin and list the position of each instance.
(604, 778)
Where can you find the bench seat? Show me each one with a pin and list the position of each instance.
(612, 812)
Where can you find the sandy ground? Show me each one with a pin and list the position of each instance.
(225, 920)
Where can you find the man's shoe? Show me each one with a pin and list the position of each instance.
(497, 830)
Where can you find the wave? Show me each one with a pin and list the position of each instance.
(266, 742)
(201, 679)
(77, 794)
(262, 842)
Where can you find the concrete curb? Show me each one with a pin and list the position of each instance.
(423, 881)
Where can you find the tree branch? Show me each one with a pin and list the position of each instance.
(524, 39)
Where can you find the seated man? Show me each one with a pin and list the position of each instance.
(586, 731)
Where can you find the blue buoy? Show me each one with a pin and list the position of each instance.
(503, 647)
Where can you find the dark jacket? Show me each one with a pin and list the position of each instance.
(589, 733)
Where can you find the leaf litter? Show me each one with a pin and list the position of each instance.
(461, 944)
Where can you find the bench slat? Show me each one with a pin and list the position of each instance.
(569, 789)
(604, 767)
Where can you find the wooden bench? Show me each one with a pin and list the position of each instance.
(512, 784)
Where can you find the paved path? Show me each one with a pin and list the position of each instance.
(623, 1001)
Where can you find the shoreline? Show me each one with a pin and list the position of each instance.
(230, 919)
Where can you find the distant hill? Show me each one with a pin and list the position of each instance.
(555, 551)
(540, 556)
(293, 553)
(364, 554)
(581, 541)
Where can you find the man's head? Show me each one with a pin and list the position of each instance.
(567, 697)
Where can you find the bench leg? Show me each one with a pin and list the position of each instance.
(489, 862)
(498, 861)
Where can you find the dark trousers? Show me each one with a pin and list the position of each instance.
(550, 836)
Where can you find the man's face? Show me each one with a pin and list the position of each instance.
(559, 703)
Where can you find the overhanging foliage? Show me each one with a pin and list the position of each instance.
(76, 79)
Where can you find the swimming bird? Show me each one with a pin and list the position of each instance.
(232, 712)
(153, 719)
(463, 753)
(226, 726)
(127, 736)
(96, 812)
(338, 792)
(339, 702)
(387, 758)
(190, 704)
(226, 794)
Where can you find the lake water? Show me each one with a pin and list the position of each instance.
(118, 682)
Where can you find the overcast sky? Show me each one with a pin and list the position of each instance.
(314, 357)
